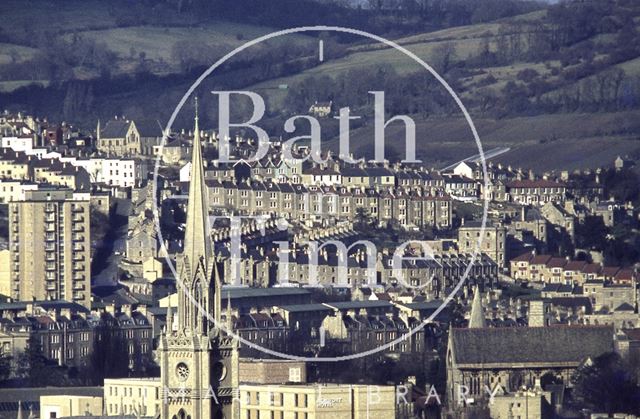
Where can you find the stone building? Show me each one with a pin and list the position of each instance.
(416, 207)
(68, 332)
(536, 192)
(529, 403)
(122, 137)
(197, 354)
(320, 401)
(513, 357)
(494, 242)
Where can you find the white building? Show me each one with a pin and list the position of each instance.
(22, 143)
(185, 172)
(123, 172)
(13, 190)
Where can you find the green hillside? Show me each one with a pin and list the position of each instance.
(86, 39)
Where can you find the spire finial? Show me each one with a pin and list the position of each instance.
(196, 105)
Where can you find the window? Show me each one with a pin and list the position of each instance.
(295, 375)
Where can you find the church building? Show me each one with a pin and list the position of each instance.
(198, 357)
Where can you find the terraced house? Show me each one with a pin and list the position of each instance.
(537, 192)
(546, 268)
(68, 332)
(410, 207)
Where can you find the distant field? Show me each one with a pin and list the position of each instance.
(10, 53)
(9, 86)
(158, 43)
(55, 16)
(546, 142)
(467, 41)
(357, 61)
(102, 21)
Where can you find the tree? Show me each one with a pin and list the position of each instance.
(443, 56)
(607, 386)
(35, 368)
(110, 356)
(363, 220)
(5, 366)
(591, 233)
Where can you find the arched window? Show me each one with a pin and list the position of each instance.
(197, 291)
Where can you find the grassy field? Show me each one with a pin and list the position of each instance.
(158, 43)
(467, 41)
(9, 86)
(10, 53)
(26, 20)
(568, 141)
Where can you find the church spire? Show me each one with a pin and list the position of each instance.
(197, 243)
(477, 321)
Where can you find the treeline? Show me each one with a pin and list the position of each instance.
(378, 16)
(416, 93)
(143, 93)
(580, 44)
(57, 57)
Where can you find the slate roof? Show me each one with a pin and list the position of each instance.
(573, 302)
(115, 128)
(45, 304)
(540, 183)
(525, 257)
(531, 345)
(305, 307)
(540, 259)
(242, 292)
(149, 128)
(355, 305)
(556, 262)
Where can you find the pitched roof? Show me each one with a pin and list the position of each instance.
(575, 265)
(149, 128)
(540, 183)
(531, 345)
(540, 260)
(624, 274)
(525, 257)
(591, 268)
(609, 270)
(556, 262)
(115, 128)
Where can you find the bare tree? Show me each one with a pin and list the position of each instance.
(444, 55)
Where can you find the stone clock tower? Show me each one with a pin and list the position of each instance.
(198, 360)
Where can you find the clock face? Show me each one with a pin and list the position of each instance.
(182, 371)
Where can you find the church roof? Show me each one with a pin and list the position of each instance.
(115, 128)
(149, 128)
(559, 345)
